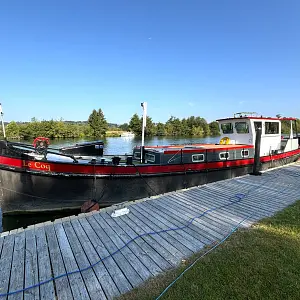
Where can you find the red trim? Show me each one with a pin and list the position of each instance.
(279, 156)
(259, 118)
(72, 168)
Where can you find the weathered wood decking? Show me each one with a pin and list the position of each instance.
(46, 250)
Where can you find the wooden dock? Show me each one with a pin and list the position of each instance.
(51, 249)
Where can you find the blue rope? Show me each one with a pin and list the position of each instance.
(210, 250)
(238, 198)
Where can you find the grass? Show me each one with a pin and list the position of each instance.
(260, 263)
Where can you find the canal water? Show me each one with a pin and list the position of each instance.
(112, 145)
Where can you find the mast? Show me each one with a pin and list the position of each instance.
(144, 106)
(3, 127)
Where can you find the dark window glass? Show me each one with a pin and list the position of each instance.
(245, 153)
(241, 127)
(198, 157)
(227, 128)
(271, 128)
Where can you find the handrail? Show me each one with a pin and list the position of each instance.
(51, 152)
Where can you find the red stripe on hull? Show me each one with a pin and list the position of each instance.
(72, 168)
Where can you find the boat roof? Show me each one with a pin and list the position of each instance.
(258, 118)
(172, 149)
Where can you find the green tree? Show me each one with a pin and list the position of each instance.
(160, 129)
(214, 128)
(135, 125)
(98, 123)
(124, 127)
(13, 130)
(150, 128)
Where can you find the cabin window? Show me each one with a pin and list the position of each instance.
(271, 128)
(137, 155)
(227, 128)
(245, 153)
(150, 158)
(242, 127)
(197, 157)
(224, 155)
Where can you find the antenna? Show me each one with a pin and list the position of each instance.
(3, 127)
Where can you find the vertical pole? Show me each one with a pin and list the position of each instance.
(2, 121)
(256, 166)
(144, 106)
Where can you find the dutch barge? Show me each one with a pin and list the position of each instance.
(31, 181)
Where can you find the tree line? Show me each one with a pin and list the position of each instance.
(97, 126)
(192, 126)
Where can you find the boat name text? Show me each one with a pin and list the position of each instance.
(37, 165)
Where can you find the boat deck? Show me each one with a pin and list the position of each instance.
(52, 249)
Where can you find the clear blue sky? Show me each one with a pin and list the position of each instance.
(61, 59)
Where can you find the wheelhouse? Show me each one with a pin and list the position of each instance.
(241, 129)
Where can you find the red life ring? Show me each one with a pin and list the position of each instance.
(41, 139)
(41, 144)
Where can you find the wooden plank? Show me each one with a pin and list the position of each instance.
(235, 209)
(109, 287)
(63, 290)
(78, 287)
(201, 226)
(195, 203)
(143, 255)
(5, 262)
(166, 255)
(130, 255)
(173, 245)
(31, 266)
(160, 262)
(115, 272)
(131, 274)
(206, 202)
(249, 204)
(92, 284)
(166, 250)
(46, 290)
(184, 241)
(211, 227)
(191, 230)
(210, 217)
(17, 267)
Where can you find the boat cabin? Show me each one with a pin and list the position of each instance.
(191, 154)
(241, 129)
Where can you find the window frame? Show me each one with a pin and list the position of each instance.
(270, 122)
(193, 160)
(232, 131)
(147, 157)
(224, 158)
(247, 126)
(243, 155)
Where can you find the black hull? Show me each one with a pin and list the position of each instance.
(23, 192)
